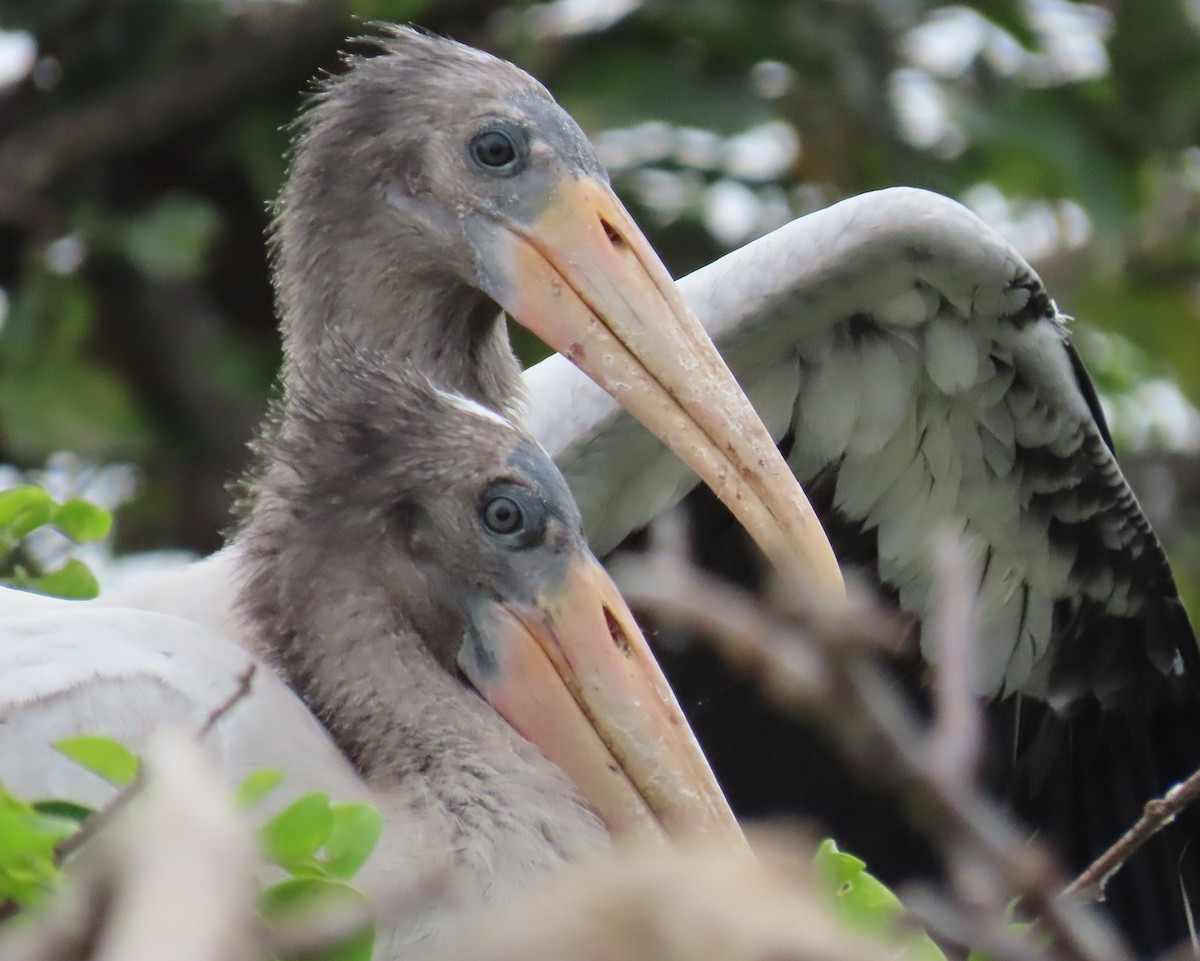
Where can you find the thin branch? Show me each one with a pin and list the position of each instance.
(239, 694)
(950, 923)
(957, 737)
(105, 816)
(987, 856)
(1157, 814)
(101, 818)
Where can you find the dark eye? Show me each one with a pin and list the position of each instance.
(502, 515)
(500, 148)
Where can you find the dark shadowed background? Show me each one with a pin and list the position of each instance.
(140, 141)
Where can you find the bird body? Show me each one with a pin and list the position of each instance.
(965, 406)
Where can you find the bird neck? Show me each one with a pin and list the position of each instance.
(338, 292)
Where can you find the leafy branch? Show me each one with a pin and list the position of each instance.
(26, 509)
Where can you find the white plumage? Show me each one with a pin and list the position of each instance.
(926, 365)
(874, 329)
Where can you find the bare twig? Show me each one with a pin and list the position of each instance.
(957, 735)
(952, 923)
(1157, 814)
(987, 857)
(239, 694)
(105, 816)
(101, 818)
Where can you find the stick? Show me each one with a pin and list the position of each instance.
(1157, 814)
(103, 817)
(838, 683)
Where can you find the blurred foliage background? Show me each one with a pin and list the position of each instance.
(141, 141)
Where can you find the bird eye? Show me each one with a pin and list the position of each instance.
(502, 515)
(500, 148)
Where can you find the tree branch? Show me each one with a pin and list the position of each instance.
(1157, 814)
(246, 56)
(105, 816)
(805, 668)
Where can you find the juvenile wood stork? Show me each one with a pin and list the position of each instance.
(405, 552)
(922, 377)
(920, 374)
(433, 183)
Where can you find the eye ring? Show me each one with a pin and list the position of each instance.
(503, 515)
(499, 148)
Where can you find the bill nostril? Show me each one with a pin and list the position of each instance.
(617, 633)
(613, 235)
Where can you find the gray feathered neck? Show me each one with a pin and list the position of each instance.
(347, 265)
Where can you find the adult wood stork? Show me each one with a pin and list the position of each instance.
(407, 550)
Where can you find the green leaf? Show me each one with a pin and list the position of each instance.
(73, 581)
(257, 786)
(64, 810)
(24, 509)
(23, 831)
(171, 240)
(27, 844)
(867, 905)
(81, 521)
(298, 898)
(103, 757)
(356, 829)
(296, 832)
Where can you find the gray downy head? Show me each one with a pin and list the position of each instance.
(382, 230)
(385, 497)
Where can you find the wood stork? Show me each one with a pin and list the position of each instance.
(407, 550)
(915, 367)
(920, 374)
